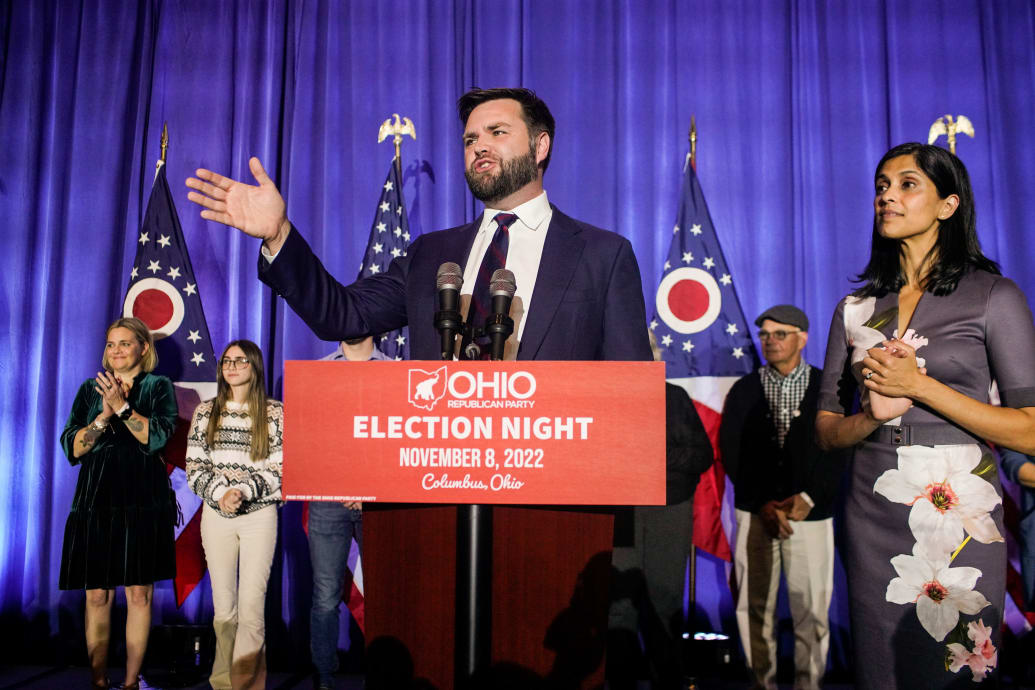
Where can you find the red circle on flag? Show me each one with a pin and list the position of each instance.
(157, 303)
(688, 300)
(154, 308)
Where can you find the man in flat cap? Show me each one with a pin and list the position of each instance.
(784, 488)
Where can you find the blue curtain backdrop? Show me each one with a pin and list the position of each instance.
(795, 101)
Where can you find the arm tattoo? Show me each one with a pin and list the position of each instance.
(90, 437)
(135, 424)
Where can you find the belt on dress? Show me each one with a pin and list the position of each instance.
(933, 434)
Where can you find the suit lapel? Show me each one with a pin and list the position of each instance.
(561, 254)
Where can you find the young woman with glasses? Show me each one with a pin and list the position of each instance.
(234, 464)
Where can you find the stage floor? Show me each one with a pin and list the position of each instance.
(66, 678)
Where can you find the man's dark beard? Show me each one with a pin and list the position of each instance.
(512, 176)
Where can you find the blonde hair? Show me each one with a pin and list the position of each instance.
(139, 329)
(260, 441)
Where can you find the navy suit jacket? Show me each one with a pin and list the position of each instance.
(587, 305)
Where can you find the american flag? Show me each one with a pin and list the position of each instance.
(705, 340)
(389, 239)
(163, 293)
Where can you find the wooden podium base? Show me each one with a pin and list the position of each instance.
(551, 571)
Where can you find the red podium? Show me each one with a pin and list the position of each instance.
(547, 442)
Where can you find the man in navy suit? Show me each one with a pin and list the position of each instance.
(578, 287)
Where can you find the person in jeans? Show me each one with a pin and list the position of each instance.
(332, 527)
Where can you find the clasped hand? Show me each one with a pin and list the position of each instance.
(893, 377)
(231, 501)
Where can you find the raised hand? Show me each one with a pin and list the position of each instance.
(258, 211)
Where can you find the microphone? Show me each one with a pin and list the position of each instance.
(448, 323)
(499, 325)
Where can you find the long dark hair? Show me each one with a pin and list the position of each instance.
(256, 400)
(956, 250)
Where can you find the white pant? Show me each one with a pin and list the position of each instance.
(807, 561)
(239, 593)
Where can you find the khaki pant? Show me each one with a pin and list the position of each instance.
(806, 559)
(239, 552)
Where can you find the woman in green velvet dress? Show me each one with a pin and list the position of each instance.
(120, 528)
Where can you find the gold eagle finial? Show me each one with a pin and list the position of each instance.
(398, 129)
(945, 125)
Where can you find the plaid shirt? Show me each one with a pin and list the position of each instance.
(784, 394)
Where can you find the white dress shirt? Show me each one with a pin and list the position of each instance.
(527, 237)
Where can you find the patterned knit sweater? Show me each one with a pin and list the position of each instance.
(227, 464)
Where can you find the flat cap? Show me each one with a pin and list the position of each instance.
(785, 313)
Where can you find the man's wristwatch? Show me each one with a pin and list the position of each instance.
(125, 412)
(97, 426)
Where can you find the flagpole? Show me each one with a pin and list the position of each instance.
(473, 623)
(692, 594)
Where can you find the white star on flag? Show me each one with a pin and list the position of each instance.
(653, 324)
(133, 273)
(374, 268)
(153, 267)
(398, 210)
(731, 329)
(396, 252)
(738, 352)
(725, 279)
(709, 262)
(197, 358)
(667, 265)
(143, 238)
(666, 340)
(388, 185)
(194, 337)
(378, 247)
(695, 228)
(406, 236)
(400, 340)
(164, 240)
(173, 273)
(381, 227)
(687, 257)
(191, 288)
(675, 230)
(385, 206)
(687, 346)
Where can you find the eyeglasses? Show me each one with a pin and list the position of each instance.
(779, 335)
(234, 362)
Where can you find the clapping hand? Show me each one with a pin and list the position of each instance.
(112, 390)
(258, 211)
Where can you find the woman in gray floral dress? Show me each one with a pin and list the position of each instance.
(931, 338)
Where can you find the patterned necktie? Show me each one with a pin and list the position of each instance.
(481, 302)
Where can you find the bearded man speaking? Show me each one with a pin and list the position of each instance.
(578, 293)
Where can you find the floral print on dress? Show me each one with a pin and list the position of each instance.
(940, 593)
(948, 499)
(981, 659)
(861, 333)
